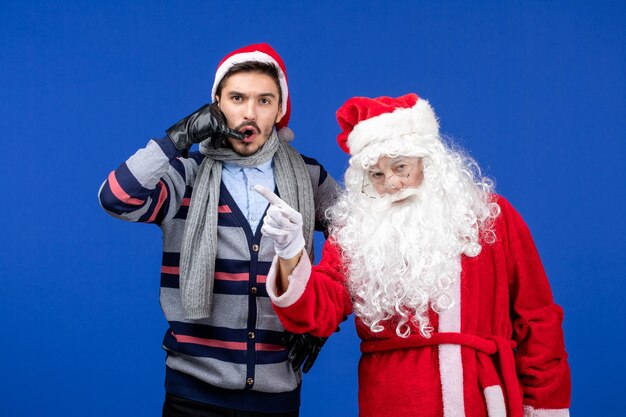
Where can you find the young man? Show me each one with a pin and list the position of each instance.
(225, 347)
(451, 300)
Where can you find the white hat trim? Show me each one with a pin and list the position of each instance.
(417, 120)
(255, 56)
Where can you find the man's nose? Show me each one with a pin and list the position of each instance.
(250, 111)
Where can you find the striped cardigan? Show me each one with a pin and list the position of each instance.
(235, 358)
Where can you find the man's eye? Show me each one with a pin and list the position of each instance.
(265, 101)
(236, 98)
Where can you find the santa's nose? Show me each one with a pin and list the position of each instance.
(393, 184)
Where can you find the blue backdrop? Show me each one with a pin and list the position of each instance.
(536, 91)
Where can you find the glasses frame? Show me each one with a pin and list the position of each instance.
(369, 190)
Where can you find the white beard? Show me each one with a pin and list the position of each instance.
(402, 258)
(403, 255)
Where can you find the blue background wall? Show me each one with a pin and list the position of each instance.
(536, 91)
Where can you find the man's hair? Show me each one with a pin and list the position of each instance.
(252, 66)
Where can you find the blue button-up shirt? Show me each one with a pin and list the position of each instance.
(239, 182)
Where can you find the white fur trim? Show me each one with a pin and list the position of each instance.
(297, 282)
(494, 398)
(530, 411)
(393, 147)
(450, 361)
(416, 121)
(256, 56)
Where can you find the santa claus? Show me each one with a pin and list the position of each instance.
(450, 298)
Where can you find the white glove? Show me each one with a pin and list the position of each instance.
(282, 224)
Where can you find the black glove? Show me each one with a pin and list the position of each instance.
(303, 349)
(207, 121)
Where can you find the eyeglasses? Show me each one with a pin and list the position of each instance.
(375, 183)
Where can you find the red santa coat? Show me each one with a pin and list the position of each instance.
(498, 352)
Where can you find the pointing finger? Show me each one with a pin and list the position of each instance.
(276, 201)
(268, 195)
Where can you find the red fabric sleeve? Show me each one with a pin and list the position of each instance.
(325, 302)
(541, 359)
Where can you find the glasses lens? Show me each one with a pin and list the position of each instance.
(376, 180)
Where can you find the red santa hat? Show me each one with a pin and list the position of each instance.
(366, 121)
(260, 52)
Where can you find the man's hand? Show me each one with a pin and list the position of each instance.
(303, 349)
(206, 122)
(282, 224)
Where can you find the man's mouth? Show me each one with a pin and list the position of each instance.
(249, 131)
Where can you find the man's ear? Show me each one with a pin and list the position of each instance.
(279, 115)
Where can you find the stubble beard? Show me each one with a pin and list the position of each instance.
(250, 148)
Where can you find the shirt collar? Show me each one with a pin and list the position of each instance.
(234, 168)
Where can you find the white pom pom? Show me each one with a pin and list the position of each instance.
(286, 134)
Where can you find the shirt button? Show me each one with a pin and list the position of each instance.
(249, 381)
(253, 218)
(251, 188)
(253, 290)
(255, 248)
(251, 335)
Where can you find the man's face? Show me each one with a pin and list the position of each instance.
(392, 175)
(251, 104)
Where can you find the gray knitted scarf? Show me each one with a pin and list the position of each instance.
(199, 245)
